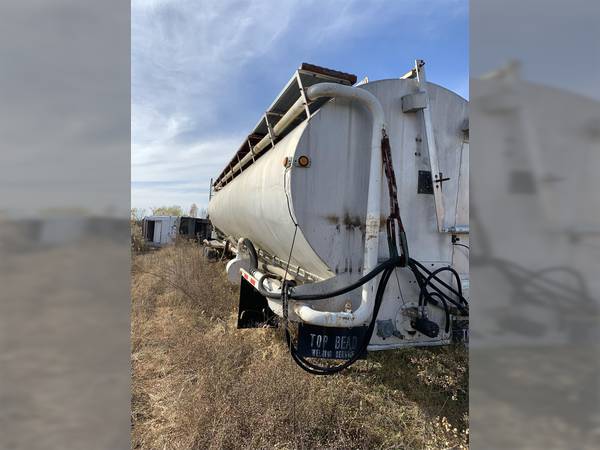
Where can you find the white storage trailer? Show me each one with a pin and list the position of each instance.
(339, 184)
(159, 231)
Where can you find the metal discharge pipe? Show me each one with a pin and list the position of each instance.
(364, 312)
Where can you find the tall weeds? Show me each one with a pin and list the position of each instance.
(198, 382)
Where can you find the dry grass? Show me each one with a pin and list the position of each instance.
(138, 244)
(198, 382)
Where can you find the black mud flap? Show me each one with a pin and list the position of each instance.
(330, 343)
(254, 311)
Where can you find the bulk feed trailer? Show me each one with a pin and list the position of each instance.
(347, 208)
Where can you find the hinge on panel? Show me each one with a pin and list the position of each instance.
(426, 183)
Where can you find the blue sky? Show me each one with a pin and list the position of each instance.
(203, 72)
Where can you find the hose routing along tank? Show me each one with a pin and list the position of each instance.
(311, 188)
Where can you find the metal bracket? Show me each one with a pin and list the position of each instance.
(365, 80)
(414, 102)
(458, 229)
(419, 73)
(303, 94)
(272, 135)
(412, 73)
(251, 150)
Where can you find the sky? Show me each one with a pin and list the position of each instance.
(203, 72)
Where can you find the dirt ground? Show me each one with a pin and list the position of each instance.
(198, 382)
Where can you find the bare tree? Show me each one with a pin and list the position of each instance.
(167, 211)
(137, 214)
(194, 210)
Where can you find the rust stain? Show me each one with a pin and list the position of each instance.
(348, 221)
(332, 219)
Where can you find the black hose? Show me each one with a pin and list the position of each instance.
(341, 291)
(387, 268)
(432, 276)
(264, 292)
(252, 251)
(446, 309)
(426, 297)
(324, 370)
(392, 262)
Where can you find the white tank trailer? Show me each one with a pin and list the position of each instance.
(347, 207)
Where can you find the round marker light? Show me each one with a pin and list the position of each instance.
(304, 161)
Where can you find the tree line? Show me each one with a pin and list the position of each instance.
(173, 210)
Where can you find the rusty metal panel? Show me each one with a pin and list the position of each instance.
(349, 78)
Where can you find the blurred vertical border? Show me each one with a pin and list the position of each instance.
(64, 224)
(535, 215)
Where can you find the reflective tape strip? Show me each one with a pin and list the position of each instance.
(248, 277)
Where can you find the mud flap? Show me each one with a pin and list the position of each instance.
(330, 343)
(254, 311)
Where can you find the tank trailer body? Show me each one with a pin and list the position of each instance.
(347, 207)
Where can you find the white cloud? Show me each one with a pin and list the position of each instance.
(148, 197)
(175, 162)
(183, 54)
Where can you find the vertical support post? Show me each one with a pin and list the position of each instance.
(251, 150)
(303, 94)
(436, 174)
(272, 134)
